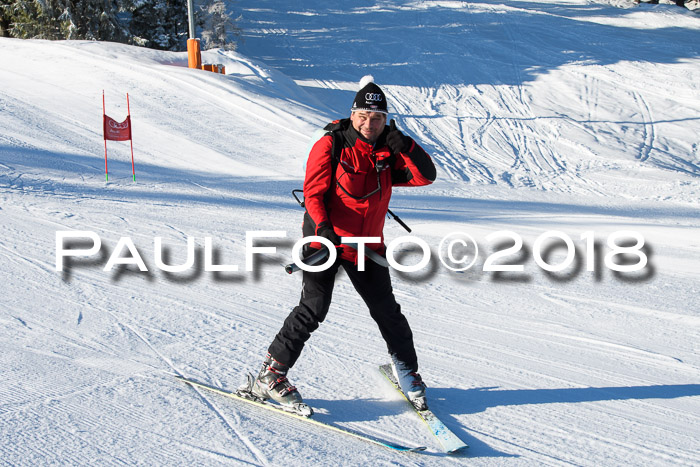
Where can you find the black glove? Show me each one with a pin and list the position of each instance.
(397, 141)
(326, 230)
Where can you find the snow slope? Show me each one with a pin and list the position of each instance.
(553, 95)
(560, 115)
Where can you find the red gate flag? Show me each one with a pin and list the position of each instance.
(117, 131)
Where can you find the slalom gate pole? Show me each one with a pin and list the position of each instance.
(131, 133)
(104, 112)
(106, 175)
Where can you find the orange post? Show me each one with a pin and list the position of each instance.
(194, 55)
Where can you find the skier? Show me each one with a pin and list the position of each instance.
(352, 202)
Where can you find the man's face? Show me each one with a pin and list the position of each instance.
(369, 124)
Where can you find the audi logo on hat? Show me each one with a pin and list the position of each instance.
(373, 97)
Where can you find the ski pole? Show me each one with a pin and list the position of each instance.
(300, 201)
(396, 218)
(310, 260)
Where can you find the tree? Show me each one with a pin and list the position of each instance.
(95, 20)
(160, 24)
(5, 20)
(36, 19)
(218, 29)
(62, 19)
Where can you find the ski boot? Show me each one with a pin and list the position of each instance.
(411, 383)
(272, 383)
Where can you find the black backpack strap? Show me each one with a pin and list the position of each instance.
(336, 151)
(335, 129)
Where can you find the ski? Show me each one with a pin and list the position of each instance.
(448, 440)
(281, 410)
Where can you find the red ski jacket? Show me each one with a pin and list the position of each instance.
(357, 204)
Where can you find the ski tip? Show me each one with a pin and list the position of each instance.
(458, 450)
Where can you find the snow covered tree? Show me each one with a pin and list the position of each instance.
(36, 19)
(5, 22)
(160, 24)
(95, 20)
(63, 19)
(218, 29)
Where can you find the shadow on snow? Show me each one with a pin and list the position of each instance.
(450, 42)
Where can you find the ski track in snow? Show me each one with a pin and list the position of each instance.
(566, 116)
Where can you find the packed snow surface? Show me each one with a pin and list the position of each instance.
(551, 120)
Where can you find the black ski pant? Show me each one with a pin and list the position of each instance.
(374, 286)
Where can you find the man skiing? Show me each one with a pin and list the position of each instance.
(350, 198)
